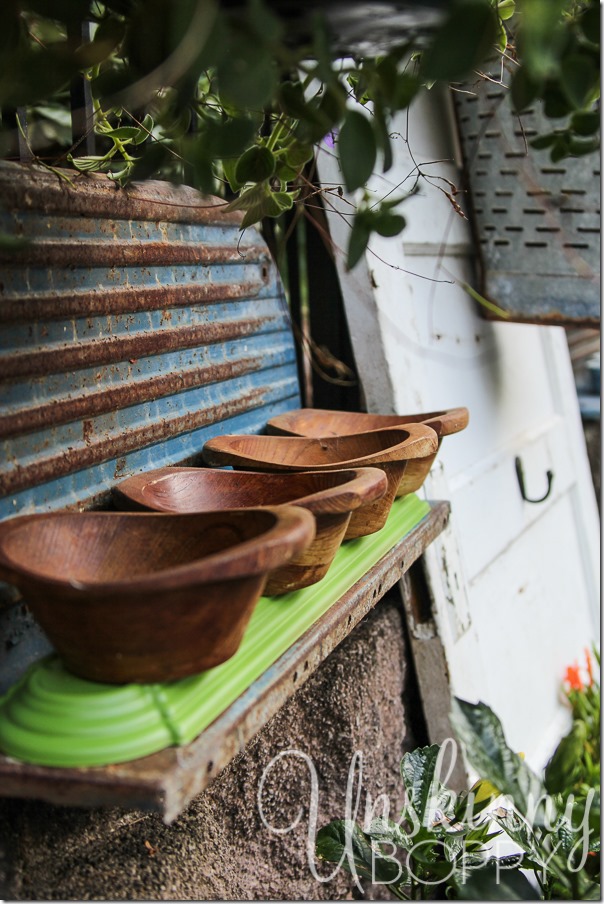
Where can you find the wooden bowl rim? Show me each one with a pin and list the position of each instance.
(293, 530)
(445, 421)
(420, 441)
(362, 485)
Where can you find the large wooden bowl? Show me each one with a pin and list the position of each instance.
(147, 597)
(390, 450)
(324, 422)
(331, 496)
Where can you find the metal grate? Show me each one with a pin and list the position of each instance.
(135, 325)
(537, 222)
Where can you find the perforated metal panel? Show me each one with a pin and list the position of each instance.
(537, 222)
(134, 326)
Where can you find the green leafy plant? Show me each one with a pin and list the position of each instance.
(434, 841)
(226, 97)
(442, 845)
(561, 49)
(575, 766)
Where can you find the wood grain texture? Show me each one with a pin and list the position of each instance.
(331, 496)
(392, 450)
(322, 422)
(147, 597)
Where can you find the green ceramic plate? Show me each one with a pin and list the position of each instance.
(52, 718)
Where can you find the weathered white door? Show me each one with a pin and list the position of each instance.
(515, 585)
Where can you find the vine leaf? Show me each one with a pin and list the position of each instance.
(357, 243)
(450, 58)
(357, 150)
(255, 165)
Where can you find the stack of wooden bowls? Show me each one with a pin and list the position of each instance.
(167, 590)
(332, 498)
(322, 422)
(393, 451)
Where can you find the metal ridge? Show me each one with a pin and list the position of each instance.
(64, 191)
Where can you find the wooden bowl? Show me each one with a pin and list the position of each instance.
(324, 422)
(331, 496)
(319, 422)
(147, 597)
(390, 450)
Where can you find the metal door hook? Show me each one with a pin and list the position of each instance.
(520, 476)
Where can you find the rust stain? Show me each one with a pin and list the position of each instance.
(105, 400)
(118, 301)
(87, 429)
(106, 351)
(120, 468)
(551, 318)
(77, 459)
(121, 253)
(44, 192)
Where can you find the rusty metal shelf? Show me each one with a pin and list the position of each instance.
(166, 782)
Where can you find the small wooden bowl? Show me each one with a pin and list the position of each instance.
(319, 422)
(331, 496)
(390, 450)
(147, 597)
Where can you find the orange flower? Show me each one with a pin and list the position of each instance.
(573, 678)
(589, 667)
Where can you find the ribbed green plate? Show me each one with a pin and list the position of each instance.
(52, 718)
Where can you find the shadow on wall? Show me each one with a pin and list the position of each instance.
(584, 347)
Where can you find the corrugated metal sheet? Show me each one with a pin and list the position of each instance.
(135, 324)
(537, 222)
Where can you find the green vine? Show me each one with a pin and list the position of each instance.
(225, 97)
